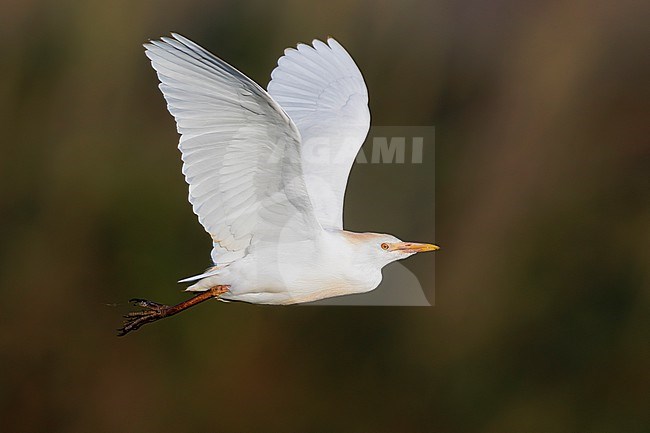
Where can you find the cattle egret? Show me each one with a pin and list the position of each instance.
(267, 172)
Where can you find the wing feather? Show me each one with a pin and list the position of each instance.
(241, 152)
(322, 90)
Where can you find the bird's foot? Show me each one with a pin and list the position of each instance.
(151, 312)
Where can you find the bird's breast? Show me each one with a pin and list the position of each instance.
(299, 272)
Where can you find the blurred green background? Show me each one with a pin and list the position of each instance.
(541, 317)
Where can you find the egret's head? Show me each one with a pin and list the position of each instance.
(384, 249)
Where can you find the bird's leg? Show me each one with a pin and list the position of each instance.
(154, 311)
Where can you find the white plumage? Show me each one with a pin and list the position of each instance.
(267, 171)
(323, 92)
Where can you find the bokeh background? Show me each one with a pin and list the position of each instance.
(542, 192)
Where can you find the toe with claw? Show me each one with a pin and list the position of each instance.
(151, 312)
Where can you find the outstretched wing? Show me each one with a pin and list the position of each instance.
(322, 90)
(240, 151)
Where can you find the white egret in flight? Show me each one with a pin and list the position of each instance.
(267, 172)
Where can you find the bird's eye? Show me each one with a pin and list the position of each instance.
(385, 246)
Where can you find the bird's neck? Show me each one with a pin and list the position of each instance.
(350, 251)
